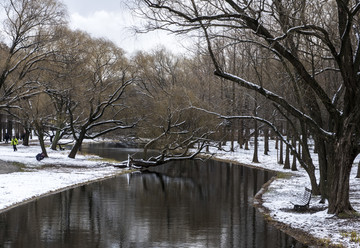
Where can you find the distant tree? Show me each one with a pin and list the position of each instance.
(166, 90)
(176, 140)
(293, 165)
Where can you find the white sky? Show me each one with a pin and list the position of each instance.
(113, 20)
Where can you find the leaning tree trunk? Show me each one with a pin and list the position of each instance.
(77, 145)
(40, 132)
(75, 149)
(42, 143)
(55, 140)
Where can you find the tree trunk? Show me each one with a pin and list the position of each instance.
(266, 141)
(42, 143)
(281, 159)
(1, 128)
(241, 134)
(225, 135)
(293, 166)
(339, 176)
(247, 137)
(287, 157)
(306, 157)
(323, 168)
(40, 132)
(26, 137)
(255, 157)
(287, 148)
(55, 140)
(232, 136)
(358, 171)
(76, 147)
(9, 126)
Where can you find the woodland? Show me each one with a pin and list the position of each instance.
(285, 69)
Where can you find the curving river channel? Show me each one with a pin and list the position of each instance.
(188, 204)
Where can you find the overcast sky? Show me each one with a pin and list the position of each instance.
(113, 20)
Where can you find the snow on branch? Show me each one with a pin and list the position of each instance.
(108, 130)
(164, 157)
(279, 100)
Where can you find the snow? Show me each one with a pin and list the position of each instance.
(38, 178)
(283, 190)
(58, 172)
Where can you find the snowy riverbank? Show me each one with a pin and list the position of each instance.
(53, 174)
(329, 229)
(58, 172)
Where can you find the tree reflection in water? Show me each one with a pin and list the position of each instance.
(188, 204)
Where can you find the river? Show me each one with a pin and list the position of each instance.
(187, 204)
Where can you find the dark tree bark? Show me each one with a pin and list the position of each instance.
(341, 161)
(266, 141)
(40, 133)
(26, 137)
(281, 150)
(358, 171)
(256, 143)
(287, 149)
(293, 165)
(78, 142)
(241, 134)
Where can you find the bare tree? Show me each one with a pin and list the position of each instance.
(165, 91)
(29, 28)
(271, 25)
(62, 76)
(176, 141)
(95, 105)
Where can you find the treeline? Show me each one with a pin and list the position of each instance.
(58, 82)
(302, 56)
(286, 69)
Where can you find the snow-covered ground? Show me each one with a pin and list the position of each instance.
(58, 172)
(325, 227)
(38, 178)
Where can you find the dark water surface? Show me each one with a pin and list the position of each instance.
(189, 204)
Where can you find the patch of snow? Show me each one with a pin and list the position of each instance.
(49, 175)
(282, 191)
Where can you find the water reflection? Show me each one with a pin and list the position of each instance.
(190, 204)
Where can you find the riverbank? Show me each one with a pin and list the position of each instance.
(28, 178)
(58, 172)
(314, 226)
